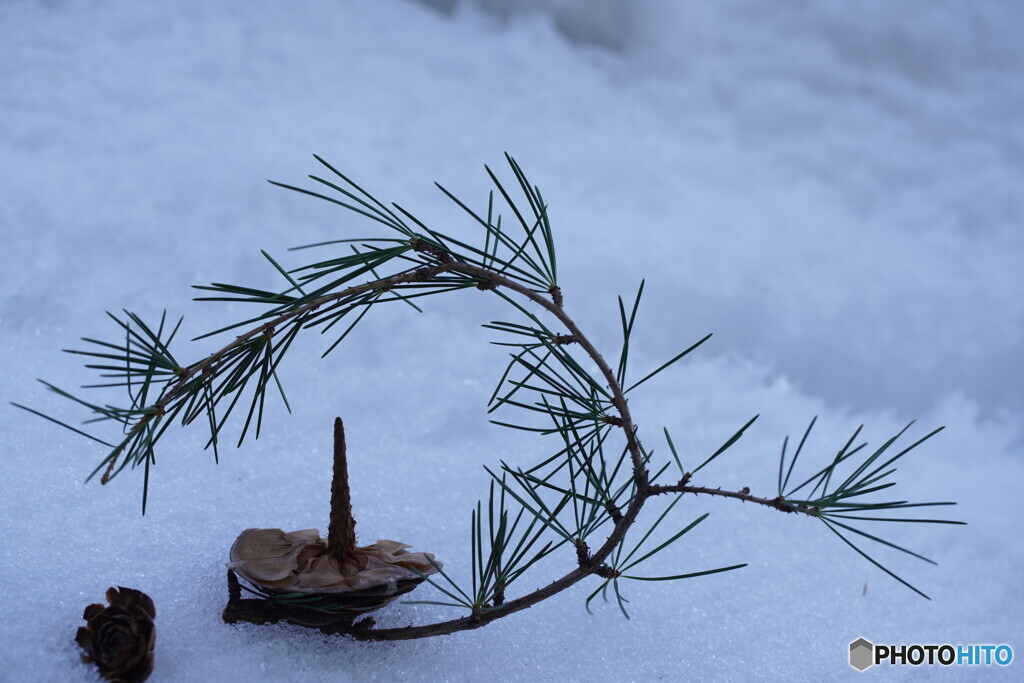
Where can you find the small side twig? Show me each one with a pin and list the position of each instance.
(777, 503)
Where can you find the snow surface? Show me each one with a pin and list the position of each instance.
(836, 193)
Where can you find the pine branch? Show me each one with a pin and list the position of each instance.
(554, 373)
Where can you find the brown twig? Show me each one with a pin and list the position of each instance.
(777, 503)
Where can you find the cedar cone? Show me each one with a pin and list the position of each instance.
(354, 579)
(120, 638)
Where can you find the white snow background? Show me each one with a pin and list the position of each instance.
(834, 190)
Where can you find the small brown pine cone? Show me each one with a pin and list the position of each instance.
(120, 638)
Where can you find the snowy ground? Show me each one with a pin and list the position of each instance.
(836, 194)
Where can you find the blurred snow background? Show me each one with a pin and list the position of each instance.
(835, 191)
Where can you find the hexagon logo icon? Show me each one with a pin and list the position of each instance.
(862, 654)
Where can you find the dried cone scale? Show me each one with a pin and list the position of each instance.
(350, 580)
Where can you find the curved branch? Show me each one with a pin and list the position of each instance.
(181, 387)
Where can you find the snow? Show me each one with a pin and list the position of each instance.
(834, 192)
